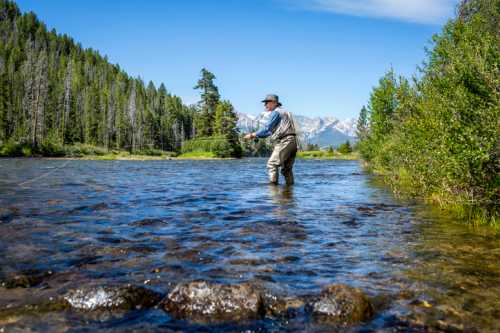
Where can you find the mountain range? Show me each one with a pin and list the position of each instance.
(323, 131)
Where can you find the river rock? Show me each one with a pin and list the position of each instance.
(281, 306)
(92, 298)
(208, 302)
(341, 304)
(25, 279)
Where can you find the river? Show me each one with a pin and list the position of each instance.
(68, 223)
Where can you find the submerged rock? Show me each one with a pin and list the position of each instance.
(25, 279)
(341, 304)
(206, 302)
(92, 298)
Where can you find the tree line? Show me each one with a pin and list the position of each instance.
(54, 92)
(438, 134)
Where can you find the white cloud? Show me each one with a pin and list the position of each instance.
(419, 11)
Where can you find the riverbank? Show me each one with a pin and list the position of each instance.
(89, 152)
(327, 155)
(457, 207)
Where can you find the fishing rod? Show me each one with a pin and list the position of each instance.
(256, 120)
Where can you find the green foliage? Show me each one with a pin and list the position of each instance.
(225, 122)
(345, 148)
(209, 100)
(362, 124)
(55, 93)
(51, 148)
(151, 152)
(221, 146)
(312, 147)
(79, 150)
(15, 149)
(326, 155)
(442, 132)
(256, 148)
(198, 155)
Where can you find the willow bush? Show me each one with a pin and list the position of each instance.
(439, 135)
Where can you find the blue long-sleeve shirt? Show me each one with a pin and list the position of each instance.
(267, 130)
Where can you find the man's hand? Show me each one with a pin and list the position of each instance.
(249, 136)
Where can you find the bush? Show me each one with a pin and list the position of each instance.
(219, 145)
(442, 132)
(153, 152)
(345, 148)
(15, 149)
(51, 149)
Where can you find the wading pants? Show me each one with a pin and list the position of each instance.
(283, 156)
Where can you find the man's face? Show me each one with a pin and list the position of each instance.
(270, 105)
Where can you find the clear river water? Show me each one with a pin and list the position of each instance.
(68, 223)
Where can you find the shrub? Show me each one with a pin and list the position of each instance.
(51, 149)
(345, 148)
(442, 132)
(221, 146)
(15, 149)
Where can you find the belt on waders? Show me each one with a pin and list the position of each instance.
(286, 135)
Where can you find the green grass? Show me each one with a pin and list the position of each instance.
(83, 151)
(454, 205)
(326, 155)
(123, 155)
(198, 155)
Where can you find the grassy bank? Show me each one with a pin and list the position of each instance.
(89, 152)
(80, 151)
(221, 146)
(327, 155)
(458, 206)
(198, 155)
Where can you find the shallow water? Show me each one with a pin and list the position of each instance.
(158, 223)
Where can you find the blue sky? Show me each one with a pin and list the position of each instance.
(321, 56)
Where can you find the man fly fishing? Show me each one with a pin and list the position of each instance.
(281, 129)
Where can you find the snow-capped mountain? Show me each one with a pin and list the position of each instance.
(323, 131)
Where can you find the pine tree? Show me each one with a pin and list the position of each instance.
(132, 111)
(209, 99)
(54, 90)
(362, 124)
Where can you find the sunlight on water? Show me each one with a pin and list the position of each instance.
(159, 223)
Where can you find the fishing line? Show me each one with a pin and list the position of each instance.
(43, 175)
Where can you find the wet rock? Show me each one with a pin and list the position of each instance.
(25, 279)
(149, 223)
(279, 306)
(341, 304)
(92, 298)
(143, 249)
(207, 302)
(367, 211)
(17, 312)
(421, 303)
(9, 214)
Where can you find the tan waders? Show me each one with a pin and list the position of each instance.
(283, 156)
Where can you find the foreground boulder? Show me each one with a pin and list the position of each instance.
(277, 305)
(208, 302)
(92, 298)
(341, 304)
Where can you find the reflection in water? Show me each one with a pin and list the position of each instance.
(162, 222)
(281, 195)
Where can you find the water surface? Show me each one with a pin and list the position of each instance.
(158, 223)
